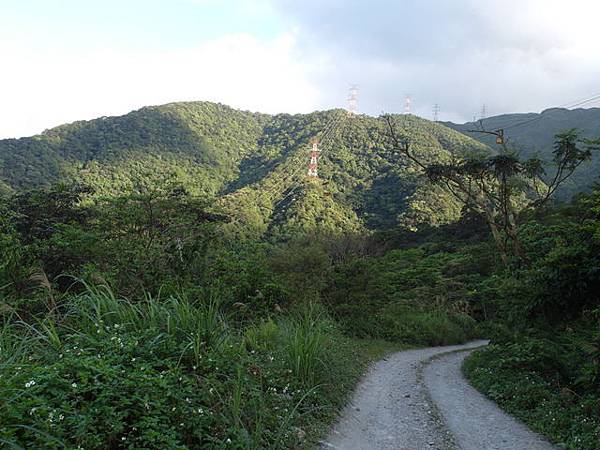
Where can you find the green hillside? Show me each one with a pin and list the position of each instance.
(205, 293)
(533, 134)
(256, 163)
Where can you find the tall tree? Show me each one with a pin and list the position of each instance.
(500, 186)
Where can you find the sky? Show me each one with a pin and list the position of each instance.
(67, 60)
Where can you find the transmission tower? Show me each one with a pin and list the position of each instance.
(483, 114)
(353, 100)
(315, 152)
(407, 103)
(436, 112)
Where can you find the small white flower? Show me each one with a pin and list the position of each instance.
(73, 385)
(30, 383)
(228, 441)
(123, 438)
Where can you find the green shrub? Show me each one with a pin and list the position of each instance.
(168, 373)
(262, 336)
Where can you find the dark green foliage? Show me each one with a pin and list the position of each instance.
(234, 280)
(213, 340)
(136, 242)
(405, 295)
(255, 163)
(168, 373)
(544, 365)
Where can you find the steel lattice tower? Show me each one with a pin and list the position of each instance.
(483, 114)
(353, 100)
(407, 104)
(436, 112)
(315, 153)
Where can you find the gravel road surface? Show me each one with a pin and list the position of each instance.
(404, 403)
(476, 422)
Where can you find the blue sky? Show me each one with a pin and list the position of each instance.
(65, 60)
(139, 24)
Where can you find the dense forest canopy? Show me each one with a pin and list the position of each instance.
(255, 163)
(173, 279)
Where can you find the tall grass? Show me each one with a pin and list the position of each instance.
(255, 381)
(202, 322)
(303, 342)
(13, 347)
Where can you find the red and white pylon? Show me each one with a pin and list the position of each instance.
(315, 153)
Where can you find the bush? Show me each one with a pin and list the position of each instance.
(168, 373)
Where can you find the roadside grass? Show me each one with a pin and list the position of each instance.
(107, 372)
(532, 381)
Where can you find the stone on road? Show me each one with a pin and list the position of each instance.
(476, 422)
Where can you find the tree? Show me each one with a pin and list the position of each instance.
(500, 186)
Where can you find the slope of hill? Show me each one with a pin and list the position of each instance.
(254, 163)
(533, 134)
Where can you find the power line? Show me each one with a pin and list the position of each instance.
(572, 104)
(316, 145)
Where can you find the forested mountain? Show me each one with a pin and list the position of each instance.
(189, 261)
(255, 163)
(533, 134)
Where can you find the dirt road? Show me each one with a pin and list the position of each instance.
(418, 400)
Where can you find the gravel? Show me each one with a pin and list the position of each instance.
(476, 422)
(418, 400)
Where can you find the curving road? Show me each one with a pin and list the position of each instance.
(419, 400)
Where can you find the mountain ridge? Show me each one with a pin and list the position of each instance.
(532, 134)
(254, 164)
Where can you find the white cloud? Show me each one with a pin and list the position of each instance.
(513, 55)
(41, 90)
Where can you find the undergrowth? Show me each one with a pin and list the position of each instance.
(170, 373)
